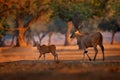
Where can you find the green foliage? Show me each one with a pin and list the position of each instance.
(116, 7)
(2, 32)
(66, 11)
(57, 25)
(3, 26)
(112, 23)
(63, 9)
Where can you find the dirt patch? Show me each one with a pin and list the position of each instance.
(35, 70)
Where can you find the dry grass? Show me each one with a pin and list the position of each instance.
(22, 64)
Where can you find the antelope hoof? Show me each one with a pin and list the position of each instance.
(90, 60)
(93, 59)
(57, 62)
(103, 59)
(86, 52)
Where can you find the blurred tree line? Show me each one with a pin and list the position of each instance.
(22, 19)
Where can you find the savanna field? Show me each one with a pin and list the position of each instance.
(21, 63)
(57, 22)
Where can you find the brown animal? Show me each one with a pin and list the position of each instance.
(89, 40)
(43, 49)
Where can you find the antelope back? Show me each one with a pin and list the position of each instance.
(52, 47)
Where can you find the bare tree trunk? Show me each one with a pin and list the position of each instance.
(20, 38)
(41, 37)
(50, 36)
(34, 42)
(112, 39)
(1, 42)
(12, 42)
(2, 39)
(67, 35)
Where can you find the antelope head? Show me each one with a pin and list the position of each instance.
(76, 32)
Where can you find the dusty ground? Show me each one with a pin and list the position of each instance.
(22, 64)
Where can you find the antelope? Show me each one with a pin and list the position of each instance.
(43, 49)
(85, 41)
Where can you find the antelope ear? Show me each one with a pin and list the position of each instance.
(77, 32)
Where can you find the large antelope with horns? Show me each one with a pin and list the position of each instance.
(89, 40)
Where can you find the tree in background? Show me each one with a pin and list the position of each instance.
(56, 25)
(111, 18)
(17, 17)
(25, 13)
(66, 10)
(3, 24)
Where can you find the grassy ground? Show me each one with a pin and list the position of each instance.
(22, 64)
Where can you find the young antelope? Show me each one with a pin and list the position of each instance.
(43, 49)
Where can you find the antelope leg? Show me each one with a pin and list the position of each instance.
(102, 48)
(39, 56)
(96, 51)
(86, 52)
(55, 56)
(44, 58)
(83, 56)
